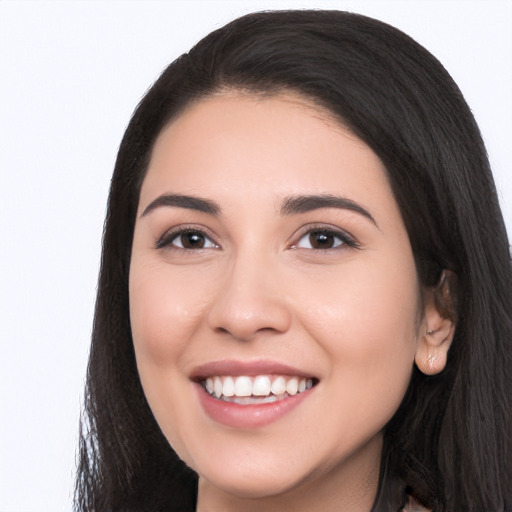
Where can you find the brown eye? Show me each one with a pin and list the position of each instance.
(322, 240)
(325, 239)
(188, 239)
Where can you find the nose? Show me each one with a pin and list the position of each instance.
(250, 301)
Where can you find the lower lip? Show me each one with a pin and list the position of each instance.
(247, 416)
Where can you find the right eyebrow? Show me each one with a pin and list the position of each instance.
(183, 201)
(301, 204)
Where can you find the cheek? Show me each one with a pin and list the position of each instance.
(374, 298)
(163, 317)
(164, 311)
(365, 319)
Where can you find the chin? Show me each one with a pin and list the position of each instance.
(253, 485)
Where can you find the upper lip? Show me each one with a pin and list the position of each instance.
(248, 368)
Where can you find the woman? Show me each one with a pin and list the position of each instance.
(305, 295)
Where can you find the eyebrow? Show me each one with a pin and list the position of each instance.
(303, 204)
(181, 201)
(291, 206)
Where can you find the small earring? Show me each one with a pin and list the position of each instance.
(429, 332)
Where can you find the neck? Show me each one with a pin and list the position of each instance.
(350, 485)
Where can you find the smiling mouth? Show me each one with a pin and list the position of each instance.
(260, 389)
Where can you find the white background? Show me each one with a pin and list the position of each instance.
(71, 75)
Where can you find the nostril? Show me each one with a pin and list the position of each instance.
(245, 319)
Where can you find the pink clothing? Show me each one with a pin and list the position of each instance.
(413, 506)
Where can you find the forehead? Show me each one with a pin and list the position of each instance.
(278, 145)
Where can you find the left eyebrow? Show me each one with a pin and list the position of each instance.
(302, 204)
(182, 201)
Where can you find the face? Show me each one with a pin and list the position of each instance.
(274, 299)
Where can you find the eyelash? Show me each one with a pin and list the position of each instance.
(170, 236)
(344, 239)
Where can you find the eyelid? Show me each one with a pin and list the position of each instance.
(171, 234)
(348, 240)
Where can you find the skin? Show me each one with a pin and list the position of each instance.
(258, 289)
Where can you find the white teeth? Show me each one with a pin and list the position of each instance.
(261, 386)
(217, 387)
(279, 386)
(243, 386)
(259, 389)
(228, 389)
(292, 386)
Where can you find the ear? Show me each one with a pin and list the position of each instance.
(438, 326)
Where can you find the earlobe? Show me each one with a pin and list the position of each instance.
(432, 350)
(439, 325)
